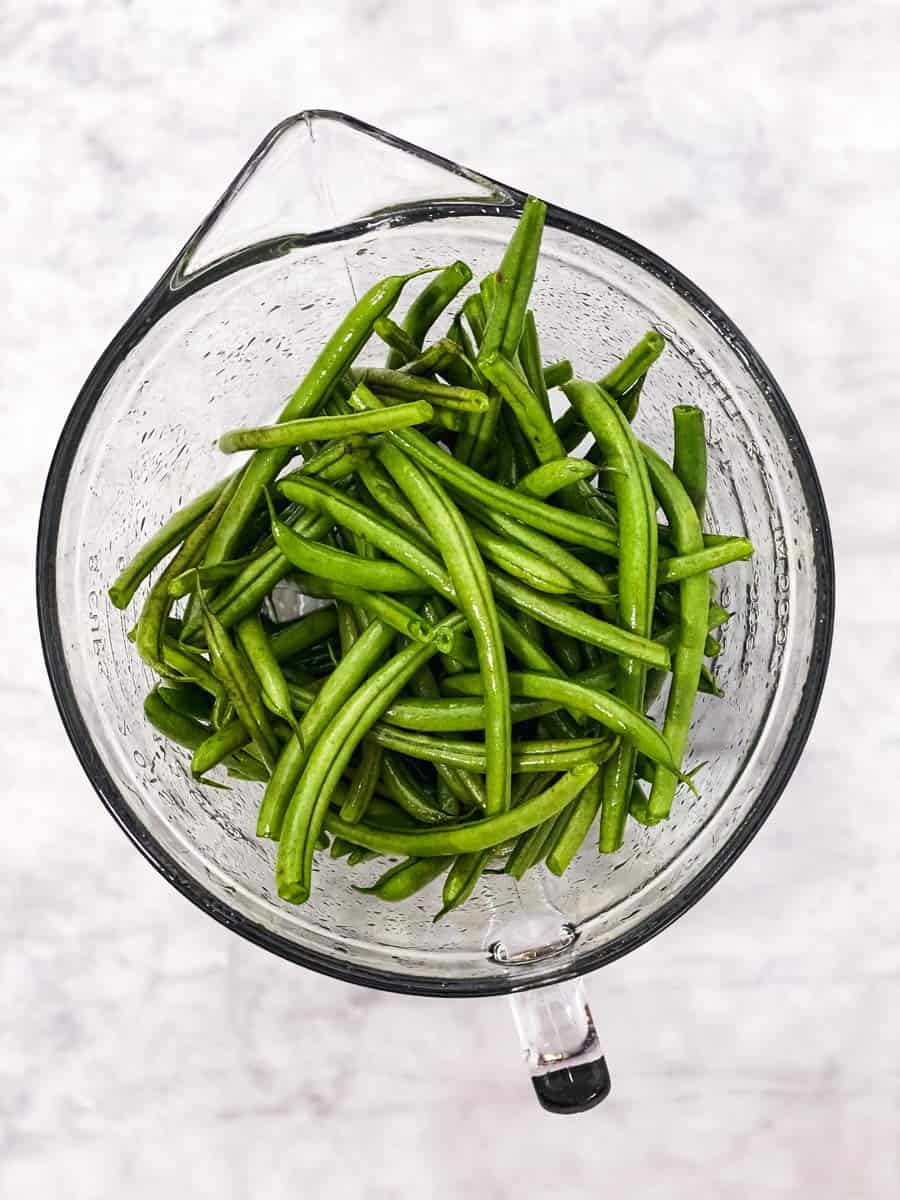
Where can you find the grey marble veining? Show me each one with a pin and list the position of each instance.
(755, 1046)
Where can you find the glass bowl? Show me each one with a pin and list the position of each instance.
(325, 207)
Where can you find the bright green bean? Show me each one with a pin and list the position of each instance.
(475, 600)
(328, 759)
(683, 566)
(404, 790)
(430, 391)
(636, 581)
(479, 835)
(555, 475)
(254, 641)
(406, 878)
(362, 783)
(321, 429)
(431, 302)
(461, 879)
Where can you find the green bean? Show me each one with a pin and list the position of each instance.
(248, 590)
(340, 848)
(289, 639)
(629, 401)
(514, 281)
(255, 643)
(637, 579)
(155, 549)
(149, 632)
(519, 561)
(397, 339)
(391, 500)
(217, 745)
(466, 790)
(431, 302)
(331, 563)
(180, 663)
(348, 631)
(457, 714)
(430, 391)
(362, 783)
(475, 600)
(187, 699)
(241, 685)
(177, 727)
(332, 361)
(558, 373)
(528, 847)
(568, 527)
(625, 374)
(690, 454)
(479, 835)
(461, 879)
(566, 650)
(558, 615)
(607, 709)
(361, 855)
(201, 577)
(406, 878)
(461, 370)
(683, 566)
(712, 647)
(392, 612)
(685, 524)
(568, 838)
(405, 792)
(585, 581)
(339, 687)
(525, 757)
(435, 360)
(328, 758)
(321, 429)
(555, 475)
(530, 358)
(534, 422)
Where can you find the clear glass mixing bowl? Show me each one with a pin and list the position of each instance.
(326, 206)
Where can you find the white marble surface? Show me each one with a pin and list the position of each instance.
(756, 1046)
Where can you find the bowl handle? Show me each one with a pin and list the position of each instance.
(562, 1051)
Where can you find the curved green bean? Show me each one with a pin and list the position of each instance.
(479, 835)
(406, 878)
(475, 600)
(430, 391)
(431, 302)
(553, 476)
(636, 582)
(406, 793)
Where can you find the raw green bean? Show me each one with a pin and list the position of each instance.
(188, 699)
(514, 281)
(607, 709)
(685, 524)
(350, 673)
(690, 454)
(525, 757)
(625, 374)
(241, 685)
(553, 476)
(435, 360)
(479, 835)
(578, 818)
(177, 727)
(457, 714)
(328, 758)
(519, 561)
(292, 637)
(406, 878)
(403, 789)
(362, 783)
(217, 745)
(530, 358)
(430, 391)
(636, 582)
(534, 422)
(475, 600)
(255, 643)
(683, 566)
(431, 302)
(151, 623)
(568, 527)
(321, 429)
(397, 340)
(392, 612)
(331, 563)
(155, 549)
(566, 650)
(558, 373)
(461, 879)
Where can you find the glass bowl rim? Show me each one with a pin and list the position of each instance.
(154, 306)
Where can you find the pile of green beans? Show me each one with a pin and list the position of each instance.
(492, 622)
